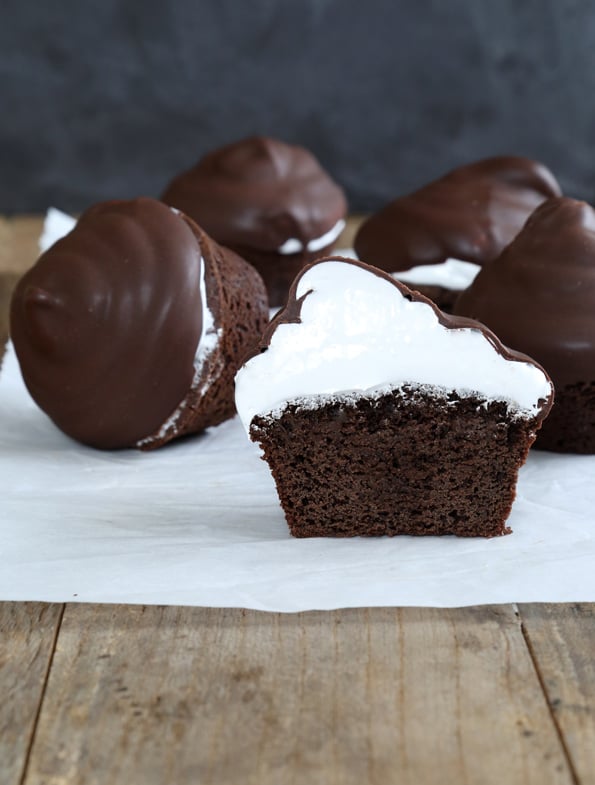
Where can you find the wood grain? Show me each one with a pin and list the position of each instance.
(27, 637)
(562, 641)
(18, 251)
(7, 283)
(18, 242)
(156, 695)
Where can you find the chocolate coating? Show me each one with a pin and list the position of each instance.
(257, 193)
(107, 323)
(539, 295)
(471, 214)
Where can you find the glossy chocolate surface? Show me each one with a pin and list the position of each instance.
(107, 323)
(258, 193)
(471, 214)
(539, 295)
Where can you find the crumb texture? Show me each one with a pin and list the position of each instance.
(570, 426)
(237, 296)
(404, 463)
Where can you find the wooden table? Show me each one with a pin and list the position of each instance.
(159, 695)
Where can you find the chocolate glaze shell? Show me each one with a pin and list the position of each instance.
(471, 214)
(257, 193)
(107, 323)
(539, 297)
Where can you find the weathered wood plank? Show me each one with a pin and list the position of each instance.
(27, 637)
(18, 251)
(7, 282)
(562, 641)
(154, 695)
(18, 243)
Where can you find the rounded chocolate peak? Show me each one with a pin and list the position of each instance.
(539, 295)
(107, 323)
(471, 214)
(258, 193)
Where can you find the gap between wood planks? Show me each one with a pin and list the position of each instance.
(542, 684)
(46, 679)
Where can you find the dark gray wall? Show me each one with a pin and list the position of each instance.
(109, 99)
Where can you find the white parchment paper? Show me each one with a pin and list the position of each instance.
(198, 523)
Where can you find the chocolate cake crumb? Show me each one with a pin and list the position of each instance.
(237, 296)
(570, 426)
(410, 461)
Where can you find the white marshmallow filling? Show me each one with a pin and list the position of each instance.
(293, 245)
(359, 334)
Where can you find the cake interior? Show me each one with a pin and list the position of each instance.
(412, 460)
(570, 426)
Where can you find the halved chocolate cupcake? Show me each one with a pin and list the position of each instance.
(379, 414)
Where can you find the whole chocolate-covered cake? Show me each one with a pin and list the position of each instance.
(379, 414)
(269, 201)
(539, 296)
(437, 238)
(130, 329)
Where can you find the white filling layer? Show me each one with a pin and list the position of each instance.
(293, 245)
(358, 333)
(451, 274)
(55, 225)
(209, 338)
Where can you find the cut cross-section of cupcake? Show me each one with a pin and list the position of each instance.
(379, 414)
(129, 330)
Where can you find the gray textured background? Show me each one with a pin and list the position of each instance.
(109, 99)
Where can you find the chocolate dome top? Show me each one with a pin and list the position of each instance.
(539, 294)
(258, 193)
(107, 323)
(471, 214)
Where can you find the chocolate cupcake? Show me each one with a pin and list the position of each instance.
(539, 296)
(379, 414)
(270, 202)
(129, 330)
(437, 238)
